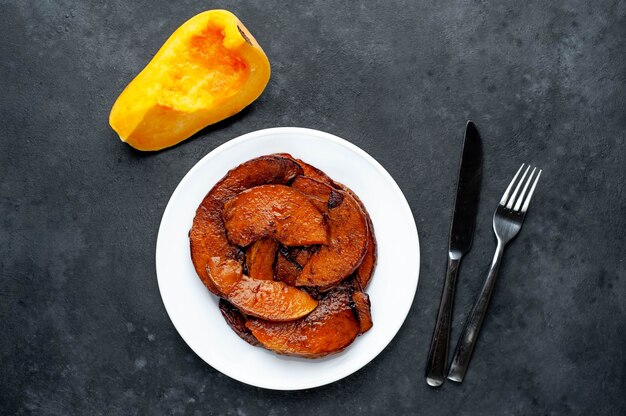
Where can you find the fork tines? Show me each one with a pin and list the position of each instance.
(515, 202)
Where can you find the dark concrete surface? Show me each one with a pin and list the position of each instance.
(83, 328)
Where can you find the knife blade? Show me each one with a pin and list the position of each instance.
(461, 236)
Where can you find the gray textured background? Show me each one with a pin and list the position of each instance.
(83, 328)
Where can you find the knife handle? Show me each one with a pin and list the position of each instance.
(438, 354)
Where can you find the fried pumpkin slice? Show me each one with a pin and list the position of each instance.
(326, 198)
(285, 269)
(347, 244)
(260, 257)
(311, 171)
(237, 322)
(289, 262)
(366, 269)
(301, 255)
(207, 235)
(323, 196)
(362, 306)
(275, 211)
(330, 328)
(266, 299)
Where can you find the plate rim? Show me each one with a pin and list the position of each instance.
(305, 384)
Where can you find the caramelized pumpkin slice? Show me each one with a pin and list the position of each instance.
(286, 270)
(366, 269)
(207, 235)
(270, 300)
(321, 195)
(328, 329)
(301, 255)
(363, 310)
(326, 198)
(311, 171)
(260, 258)
(210, 68)
(225, 275)
(289, 262)
(309, 185)
(346, 247)
(266, 299)
(275, 211)
(237, 322)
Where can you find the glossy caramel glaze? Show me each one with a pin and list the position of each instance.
(345, 250)
(224, 274)
(271, 300)
(330, 328)
(260, 257)
(267, 299)
(275, 211)
(208, 235)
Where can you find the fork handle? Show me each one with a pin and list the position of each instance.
(469, 336)
(438, 354)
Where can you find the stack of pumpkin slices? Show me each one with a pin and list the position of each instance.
(290, 252)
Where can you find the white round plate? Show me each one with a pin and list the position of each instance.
(194, 310)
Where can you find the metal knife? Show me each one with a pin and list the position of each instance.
(461, 235)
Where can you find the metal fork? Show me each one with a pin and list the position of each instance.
(507, 221)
